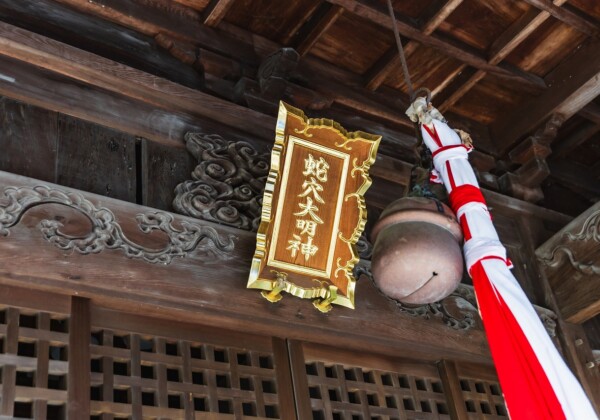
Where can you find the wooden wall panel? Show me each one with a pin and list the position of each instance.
(164, 168)
(96, 159)
(28, 140)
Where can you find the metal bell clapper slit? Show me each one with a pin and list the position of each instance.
(417, 257)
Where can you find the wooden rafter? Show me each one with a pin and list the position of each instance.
(510, 39)
(390, 60)
(449, 48)
(574, 83)
(322, 20)
(566, 16)
(216, 11)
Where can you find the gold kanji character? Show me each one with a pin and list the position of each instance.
(318, 168)
(308, 249)
(294, 245)
(312, 187)
(310, 209)
(308, 227)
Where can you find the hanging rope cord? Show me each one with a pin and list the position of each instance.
(411, 91)
(422, 156)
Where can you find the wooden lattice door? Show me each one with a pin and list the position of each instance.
(63, 357)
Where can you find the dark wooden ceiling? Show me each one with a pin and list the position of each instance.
(522, 76)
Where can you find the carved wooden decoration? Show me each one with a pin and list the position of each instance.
(227, 184)
(106, 232)
(571, 260)
(313, 210)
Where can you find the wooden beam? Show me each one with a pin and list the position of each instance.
(146, 17)
(185, 289)
(114, 77)
(377, 74)
(437, 13)
(510, 39)
(581, 134)
(462, 90)
(572, 85)
(574, 20)
(321, 21)
(451, 49)
(216, 11)
(101, 37)
(48, 90)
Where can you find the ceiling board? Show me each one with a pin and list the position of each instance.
(428, 68)
(488, 99)
(546, 47)
(353, 43)
(590, 7)
(409, 9)
(272, 19)
(479, 23)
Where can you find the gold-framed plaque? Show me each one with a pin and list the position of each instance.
(313, 210)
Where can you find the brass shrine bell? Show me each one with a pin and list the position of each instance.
(417, 257)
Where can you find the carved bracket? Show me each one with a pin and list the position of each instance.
(227, 185)
(525, 182)
(106, 232)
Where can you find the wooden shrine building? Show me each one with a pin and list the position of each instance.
(134, 149)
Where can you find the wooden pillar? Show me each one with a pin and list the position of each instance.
(78, 406)
(454, 395)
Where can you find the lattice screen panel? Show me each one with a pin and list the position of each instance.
(155, 377)
(345, 391)
(33, 363)
(483, 399)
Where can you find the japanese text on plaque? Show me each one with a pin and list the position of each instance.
(315, 173)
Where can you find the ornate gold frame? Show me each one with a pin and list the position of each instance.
(324, 293)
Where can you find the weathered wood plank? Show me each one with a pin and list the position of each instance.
(96, 159)
(117, 78)
(100, 37)
(28, 138)
(163, 169)
(323, 19)
(148, 17)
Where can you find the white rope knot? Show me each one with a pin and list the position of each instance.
(454, 152)
(476, 249)
(424, 113)
(471, 207)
